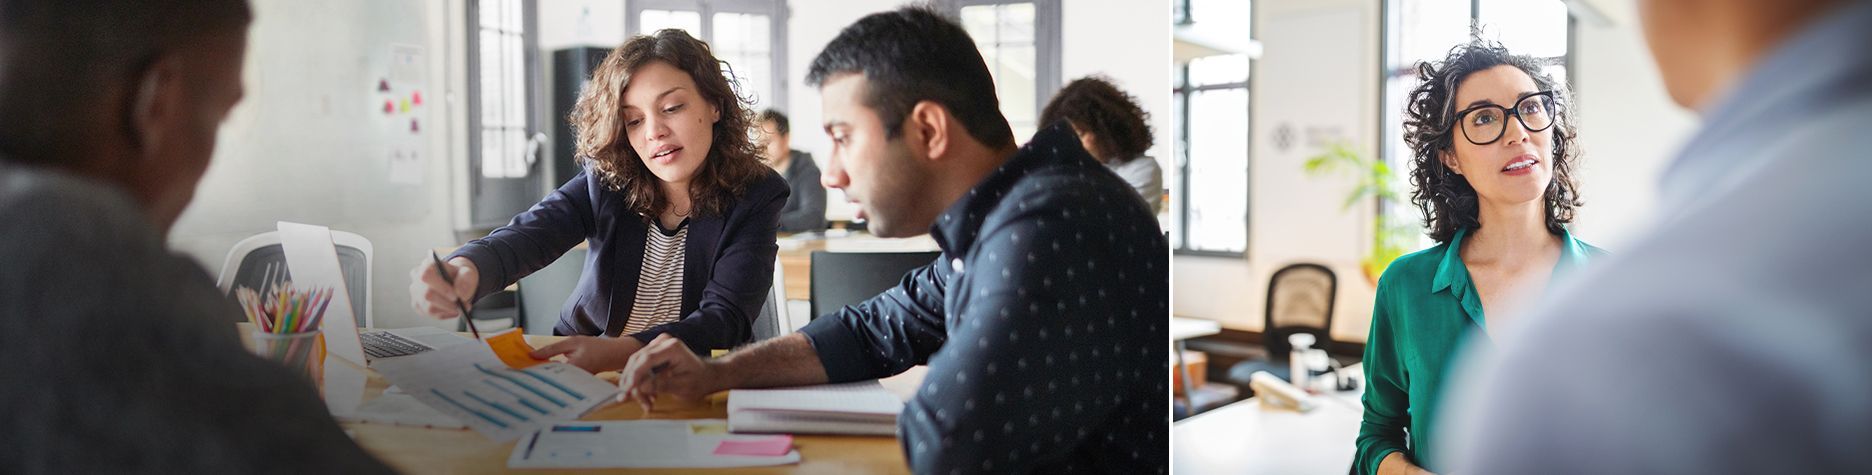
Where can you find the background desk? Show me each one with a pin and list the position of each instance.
(1246, 438)
(423, 450)
(796, 254)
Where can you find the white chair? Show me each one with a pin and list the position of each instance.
(773, 320)
(254, 261)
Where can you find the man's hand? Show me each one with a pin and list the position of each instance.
(593, 354)
(666, 366)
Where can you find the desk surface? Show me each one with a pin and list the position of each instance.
(423, 450)
(1184, 328)
(1245, 437)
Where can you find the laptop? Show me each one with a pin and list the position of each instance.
(314, 263)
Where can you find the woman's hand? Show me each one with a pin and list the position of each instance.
(433, 297)
(593, 354)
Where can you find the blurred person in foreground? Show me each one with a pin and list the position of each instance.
(1732, 336)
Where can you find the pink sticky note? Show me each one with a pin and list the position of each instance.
(762, 447)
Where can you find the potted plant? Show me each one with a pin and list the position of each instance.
(1372, 179)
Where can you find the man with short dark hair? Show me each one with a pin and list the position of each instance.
(119, 355)
(1045, 321)
(805, 208)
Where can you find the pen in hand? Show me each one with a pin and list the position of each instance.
(465, 314)
(654, 371)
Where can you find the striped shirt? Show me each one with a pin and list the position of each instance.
(659, 288)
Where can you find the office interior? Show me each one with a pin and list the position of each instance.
(1312, 78)
(418, 124)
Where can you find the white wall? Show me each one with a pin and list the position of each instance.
(1128, 41)
(1628, 132)
(1295, 217)
(310, 142)
(1628, 128)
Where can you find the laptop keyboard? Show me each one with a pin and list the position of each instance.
(390, 345)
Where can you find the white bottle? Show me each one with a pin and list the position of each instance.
(1297, 359)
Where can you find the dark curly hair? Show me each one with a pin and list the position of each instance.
(1093, 104)
(1446, 199)
(733, 162)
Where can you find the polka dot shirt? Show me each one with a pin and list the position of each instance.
(1043, 323)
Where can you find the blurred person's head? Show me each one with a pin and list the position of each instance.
(128, 92)
(1487, 128)
(913, 117)
(1111, 125)
(661, 117)
(1703, 46)
(779, 132)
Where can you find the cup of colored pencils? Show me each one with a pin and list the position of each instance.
(286, 326)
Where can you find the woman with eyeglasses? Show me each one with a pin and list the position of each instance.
(1493, 148)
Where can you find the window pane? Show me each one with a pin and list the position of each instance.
(1223, 69)
(1427, 29)
(1529, 27)
(1218, 170)
(1004, 34)
(515, 86)
(1178, 196)
(654, 20)
(493, 77)
(743, 41)
(1232, 14)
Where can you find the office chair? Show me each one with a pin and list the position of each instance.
(259, 261)
(845, 278)
(1299, 300)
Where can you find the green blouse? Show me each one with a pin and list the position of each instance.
(1425, 305)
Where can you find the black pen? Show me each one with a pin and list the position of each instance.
(469, 316)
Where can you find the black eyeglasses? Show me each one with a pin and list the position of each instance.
(1486, 123)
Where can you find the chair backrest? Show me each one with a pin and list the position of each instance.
(773, 320)
(259, 257)
(845, 278)
(1299, 300)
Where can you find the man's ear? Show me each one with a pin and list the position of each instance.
(155, 104)
(931, 127)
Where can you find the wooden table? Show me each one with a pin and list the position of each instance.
(423, 450)
(1245, 437)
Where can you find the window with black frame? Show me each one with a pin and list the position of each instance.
(1209, 213)
(750, 35)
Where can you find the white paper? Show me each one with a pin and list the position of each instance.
(470, 384)
(633, 444)
(402, 410)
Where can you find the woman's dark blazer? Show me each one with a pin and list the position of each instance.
(727, 265)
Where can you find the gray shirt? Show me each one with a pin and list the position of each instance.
(805, 208)
(118, 356)
(1736, 335)
(1143, 174)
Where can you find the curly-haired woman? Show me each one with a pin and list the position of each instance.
(678, 210)
(1493, 145)
(1112, 128)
